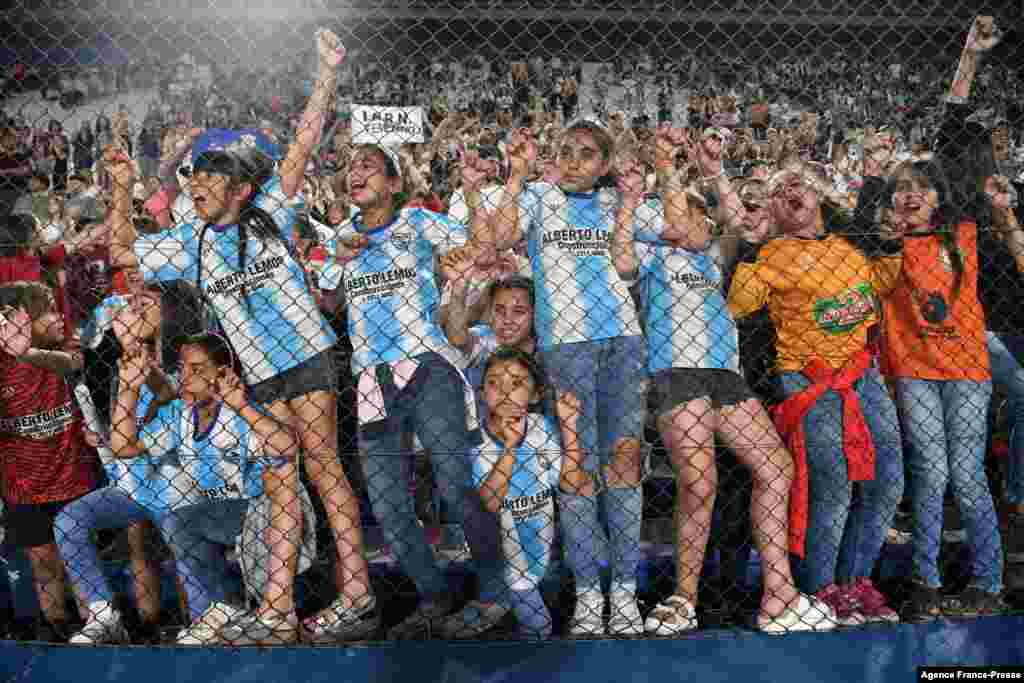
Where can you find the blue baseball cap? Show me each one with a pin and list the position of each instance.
(224, 140)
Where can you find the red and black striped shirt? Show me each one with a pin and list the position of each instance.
(43, 454)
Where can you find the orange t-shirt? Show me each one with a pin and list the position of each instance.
(928, 333)
(820, 295)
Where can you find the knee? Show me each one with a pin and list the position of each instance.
(625, 465)
(699, 490)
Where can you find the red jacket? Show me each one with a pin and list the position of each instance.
(857, 443)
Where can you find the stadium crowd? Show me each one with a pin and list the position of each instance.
(822, 279)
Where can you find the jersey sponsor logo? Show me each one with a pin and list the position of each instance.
(524, 507)
(842, 313)
(696, 282)
(379, 285)
(40, 426)
(581, 242)
(226, 492)
(402, 239)
(255, 276)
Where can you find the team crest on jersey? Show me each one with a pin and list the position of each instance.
(402, 239)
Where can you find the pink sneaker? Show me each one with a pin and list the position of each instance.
(845, 608)
(870, 601)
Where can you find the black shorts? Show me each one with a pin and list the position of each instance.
(30, 525)
(316, 374)
(678, 386)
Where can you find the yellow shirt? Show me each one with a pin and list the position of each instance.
(820, 294)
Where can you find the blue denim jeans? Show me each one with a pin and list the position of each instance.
(608, 377)
(947, 427)
(432, 405)
(106, 508)
(199, 535)
(1004, 351)
(845, 533)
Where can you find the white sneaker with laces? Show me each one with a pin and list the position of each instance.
(588, 617)
(206, 629)
(624, 614)
(809, 614)
(337, 623)
(256, 629)
(670, 618)
(103, 627)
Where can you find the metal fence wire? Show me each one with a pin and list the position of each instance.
(345, 321)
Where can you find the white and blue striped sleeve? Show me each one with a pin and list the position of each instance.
(440, 230)
(283, 209)
(648, 221)
(170, 255)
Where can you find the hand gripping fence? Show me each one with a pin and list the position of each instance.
(380, 320)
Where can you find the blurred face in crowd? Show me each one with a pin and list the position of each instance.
(1001, 143)
(512, 317)
(55, 208)
(48, 328)
(581, 162)
(914, 198)
(8, 141)
(75, 186)
(198, 375)
(369, 184)
(509, 389)
(794, 202)
(36, 185)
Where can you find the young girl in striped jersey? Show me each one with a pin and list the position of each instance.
(693, 362)
(525, 461)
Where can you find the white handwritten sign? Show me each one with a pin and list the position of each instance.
(386, 125)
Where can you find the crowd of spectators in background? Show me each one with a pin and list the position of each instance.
(827, 210)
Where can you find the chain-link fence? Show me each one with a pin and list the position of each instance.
(520, 320)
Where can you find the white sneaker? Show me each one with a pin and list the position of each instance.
(338, 624)
(103, 627)
(256, 629)
(809, 614)
(624, 614)
(588, 617)
(206, 629)
(670, 618)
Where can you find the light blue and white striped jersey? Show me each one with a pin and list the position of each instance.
(223, 462)
(391, 289)
(278, 325)
(485, 342)
(688, 324)
(528, 511)
(580, 296)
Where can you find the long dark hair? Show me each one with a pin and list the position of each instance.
(250, 167)
(529, 361)
(954, 207)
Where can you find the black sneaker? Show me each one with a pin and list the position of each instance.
(974, 602)
(923, 605)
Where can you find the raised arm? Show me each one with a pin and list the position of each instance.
(622, 245)
(983, 36)
(521, 153)
(457, 268)
(133, 367)
(119, 218)
(307, 137)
